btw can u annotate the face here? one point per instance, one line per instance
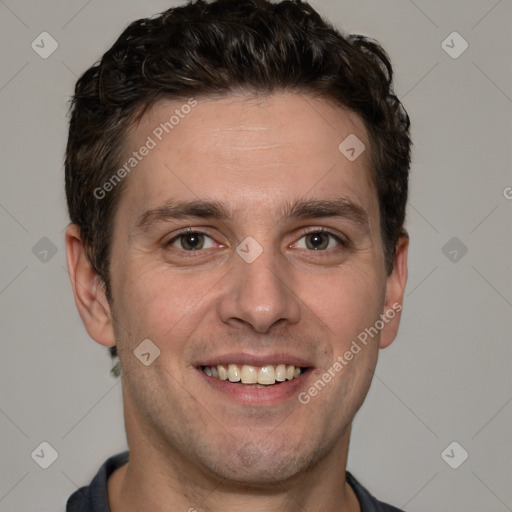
(245, 237)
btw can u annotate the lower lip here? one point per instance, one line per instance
(270, 395)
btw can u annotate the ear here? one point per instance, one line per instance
(88, 289)
(395, 288)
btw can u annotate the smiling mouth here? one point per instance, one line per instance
(255, 376)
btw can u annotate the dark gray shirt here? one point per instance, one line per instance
(94, 498)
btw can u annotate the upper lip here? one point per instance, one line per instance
(241, 358)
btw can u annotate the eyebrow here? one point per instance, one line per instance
(341, 208)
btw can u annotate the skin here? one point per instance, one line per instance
(192, 446)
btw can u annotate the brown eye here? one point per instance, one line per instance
(192, 241)
(319, 241)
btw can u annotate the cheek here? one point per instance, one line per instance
(347, 302)
(157, 305)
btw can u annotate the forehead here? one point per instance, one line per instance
(252, 152)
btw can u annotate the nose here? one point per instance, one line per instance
(260, 294)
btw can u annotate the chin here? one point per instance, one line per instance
(258, 465)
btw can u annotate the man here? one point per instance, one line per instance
(236, 175)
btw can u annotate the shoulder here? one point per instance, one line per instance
(94, 497)
(367, 501)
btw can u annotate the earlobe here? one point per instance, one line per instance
(88, 290)
(395, 288)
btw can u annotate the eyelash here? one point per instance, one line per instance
(191, 231)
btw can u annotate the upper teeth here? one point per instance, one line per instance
(265, 375)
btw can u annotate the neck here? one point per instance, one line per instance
(158, 478)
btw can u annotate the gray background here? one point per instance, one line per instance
(447, 376)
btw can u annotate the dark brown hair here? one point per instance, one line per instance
(219, 48)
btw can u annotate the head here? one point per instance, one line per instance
(228, 119)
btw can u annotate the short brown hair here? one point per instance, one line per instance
(216, 48)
